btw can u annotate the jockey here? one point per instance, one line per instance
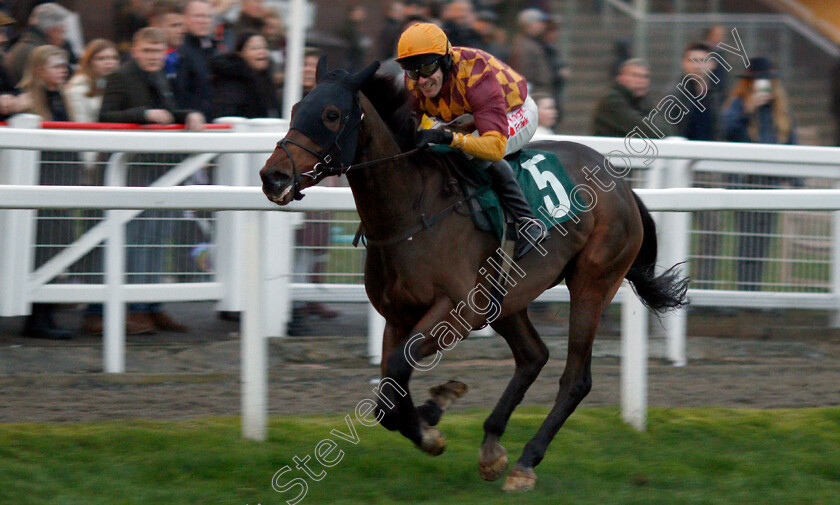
(476, 104)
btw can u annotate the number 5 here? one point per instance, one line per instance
(547, 178)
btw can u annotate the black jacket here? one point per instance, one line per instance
(192, 83)
(238, 90)
(130, 92)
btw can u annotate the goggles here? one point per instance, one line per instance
(423, 70)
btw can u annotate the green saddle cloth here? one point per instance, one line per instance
(546, 186)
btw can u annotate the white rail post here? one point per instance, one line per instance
(113, 321)
(278, 239)
(231, 170)
(634, 358)
(114, 313)
(254, 343)
(835, 265)
(295, 40)
(676, 251)
(17, 227)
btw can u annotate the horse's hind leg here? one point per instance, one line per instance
(592, 284)
(530, 355)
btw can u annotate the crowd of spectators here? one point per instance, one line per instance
(192, 61)
(755, 110)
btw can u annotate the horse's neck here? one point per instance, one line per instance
(386, 193)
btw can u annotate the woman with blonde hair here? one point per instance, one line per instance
(757, 111)
(43, 94)
(85, 89)
(43, 84)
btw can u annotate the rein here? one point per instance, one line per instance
(423, 225)
(343, 170)
(325, 167)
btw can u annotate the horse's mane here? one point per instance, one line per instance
(391, 101)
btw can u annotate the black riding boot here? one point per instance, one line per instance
(531, 230)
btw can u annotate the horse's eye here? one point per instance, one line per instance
(332, 116)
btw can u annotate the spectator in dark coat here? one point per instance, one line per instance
(702, 125)
(560, 71)
(168, 15)
(241, 81)
(697, 124)
(250, 17)
(714, 35)
(354, 32)
(391, 30)
(492, 37)
(46, 27)
(457, 20)
(138, 93)
(528, 55)
(627, 103)
(192, 90)
(129, 17)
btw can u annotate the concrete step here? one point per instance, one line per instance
(593, 42)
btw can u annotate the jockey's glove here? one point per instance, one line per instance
(434, 136)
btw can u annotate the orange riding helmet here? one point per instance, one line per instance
(422, 43)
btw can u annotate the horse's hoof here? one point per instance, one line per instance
(445, 394)
(455, 387)
(433, 442)
(493, 465)
(520, 479)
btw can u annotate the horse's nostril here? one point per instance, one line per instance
(274, 178)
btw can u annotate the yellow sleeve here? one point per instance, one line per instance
(489, 146)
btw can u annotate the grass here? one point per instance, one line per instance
(690, 456)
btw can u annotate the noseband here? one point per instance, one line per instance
(327, 158)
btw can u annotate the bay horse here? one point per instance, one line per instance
(421, 270)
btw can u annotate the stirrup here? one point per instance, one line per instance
(536, 236)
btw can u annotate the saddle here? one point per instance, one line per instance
(543, 180)
(473, 183)
(544, 183)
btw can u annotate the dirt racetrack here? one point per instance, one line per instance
(749, 359)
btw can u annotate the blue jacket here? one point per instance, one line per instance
(736, 123)
(192, 83)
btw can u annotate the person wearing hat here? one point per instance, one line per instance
(757, 111)
(487, 100)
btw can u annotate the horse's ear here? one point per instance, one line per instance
(321, 69)
(360, 77)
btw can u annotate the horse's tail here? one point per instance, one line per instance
(662, 293)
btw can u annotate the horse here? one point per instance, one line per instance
(421, 271)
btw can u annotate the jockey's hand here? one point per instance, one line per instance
(433, 136)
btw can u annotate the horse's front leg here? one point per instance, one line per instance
(402, 354)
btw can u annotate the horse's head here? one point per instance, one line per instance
(322, 136)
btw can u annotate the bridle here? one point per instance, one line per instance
(326, 164)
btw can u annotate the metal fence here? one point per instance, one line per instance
(760, 251)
